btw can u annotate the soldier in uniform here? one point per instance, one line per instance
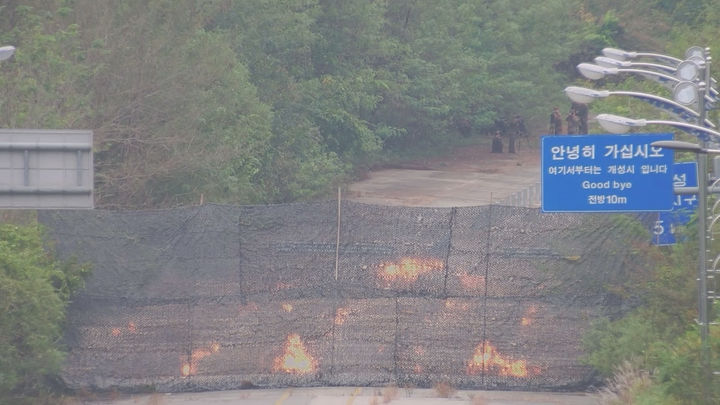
(555, 122)
(497, 145)
(581, 110)
(517, 125)
(573, 122)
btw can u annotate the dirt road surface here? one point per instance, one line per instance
(470, 176)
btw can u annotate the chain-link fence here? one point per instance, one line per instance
(224, 297)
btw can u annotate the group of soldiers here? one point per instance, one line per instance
(577, 120)
(514, 129)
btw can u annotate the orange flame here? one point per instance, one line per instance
(452, 304)
(471, 282)
(295, 359)
(282, 286)
(408, 269)
(341, 315)
(188, 368)
(185, 369)
(487, 357)
(287, 307)
(118, 331)
(528, 319)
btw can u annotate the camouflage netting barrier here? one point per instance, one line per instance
(222, 297)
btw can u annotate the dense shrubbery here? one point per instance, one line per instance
(653, 354)
(34, 291)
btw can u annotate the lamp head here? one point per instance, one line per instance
(595, 72)
(583, 95)
(6, 52)
(678, 145)
(604, 61)
(617, 54)
(695, 51)
(688, 70)
(617, 124)
(686, 93)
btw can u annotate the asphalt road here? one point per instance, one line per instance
(355, 396)
(471, 176)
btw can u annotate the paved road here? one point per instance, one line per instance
(355, 396)
(470, 177)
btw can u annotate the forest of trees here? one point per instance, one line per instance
(268, 101)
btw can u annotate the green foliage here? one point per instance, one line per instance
(34, 291)
(660, 336)
(280, 100)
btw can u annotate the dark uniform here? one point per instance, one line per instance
(573, 122)
(555, 122)
(497, 145)
(517, 126)
(581, 110)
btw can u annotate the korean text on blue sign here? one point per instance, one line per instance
(606, 173)
(684, 205)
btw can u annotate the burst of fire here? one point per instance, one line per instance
(185, 369)
(295, 358)
(487, 358)
(118, 331)
(188, 368)
(408, 269)
(471, 282)
(287, 307)
(282, 286)
(528, 318)
(451, 304)
(340, 315)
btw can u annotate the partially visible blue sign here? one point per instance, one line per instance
(606, 173)
(684, 175)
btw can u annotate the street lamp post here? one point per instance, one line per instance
(671, 82)
(691, 85)
(694, 53)
(620, 54)
(610, 62)
(584, 96)
(617, 124)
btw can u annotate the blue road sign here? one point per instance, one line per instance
(606, 173)
(684, 175)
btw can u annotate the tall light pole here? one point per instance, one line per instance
(620, 54)
(691, 84)
(618, 124)
(585, 96)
